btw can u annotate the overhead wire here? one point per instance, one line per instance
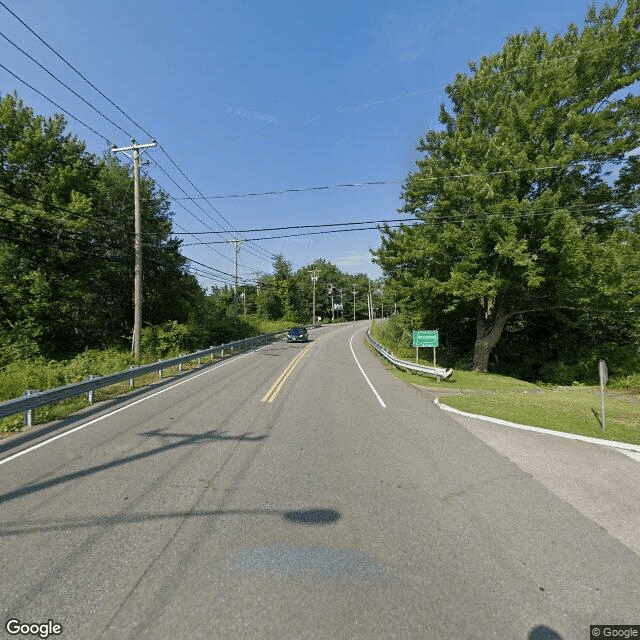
(270, 256)
(46, 44)
(353, 108)
(84, 124)
(307, 226)
(219, 253)
(292, 235)
(202, 196)
(66, 86)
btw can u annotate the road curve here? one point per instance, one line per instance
(253, 503)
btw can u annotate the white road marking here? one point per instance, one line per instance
(635, 455)
(631, 450)
(362, 370)
(131, 404)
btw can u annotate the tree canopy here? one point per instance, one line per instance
(524, 197)
(66, 244)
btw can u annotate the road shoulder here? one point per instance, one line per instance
(599, 481)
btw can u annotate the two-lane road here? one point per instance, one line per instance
(282, 494)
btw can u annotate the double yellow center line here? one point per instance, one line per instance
(270, 396)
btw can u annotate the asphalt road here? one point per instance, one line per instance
(244, 503)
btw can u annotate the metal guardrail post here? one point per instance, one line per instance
(180, 365)
(90, 393)
(29, 414)
(438, 372)
(27, 405)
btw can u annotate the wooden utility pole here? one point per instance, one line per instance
(236, 243)
(330, 292)
(137, 284)
(314, 279)
(354, 302)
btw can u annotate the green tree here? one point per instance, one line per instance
(66, 244)
(514, 204)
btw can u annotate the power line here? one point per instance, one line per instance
(202, 196)
(292, 235)
(301, 189)
(579, 208)
(201, 221)
(84, 124)
(415, 176)
(46, 44)
(303, 226)
(113, 104)
(23, 196)
(75, 93)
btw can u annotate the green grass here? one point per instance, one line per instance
(39, 375)
(571, 410)
(568, 410)
(56, 374)
(262, 326)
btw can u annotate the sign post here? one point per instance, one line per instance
(604, 377)
(426, 339)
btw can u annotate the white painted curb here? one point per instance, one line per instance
(550, 432)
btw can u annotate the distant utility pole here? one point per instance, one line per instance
(236, 245)
(314, 279)
(257, 275)
(330, 292)
(354, 302)
(137, 243)
(341, 304)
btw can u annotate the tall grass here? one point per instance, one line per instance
(39, 374)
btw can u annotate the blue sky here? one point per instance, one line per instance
(250, 97)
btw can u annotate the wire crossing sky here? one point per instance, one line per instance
(300, 102)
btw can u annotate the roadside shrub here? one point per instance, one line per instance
(40, 374)
(169, 339)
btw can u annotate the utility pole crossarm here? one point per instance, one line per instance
(134, 146)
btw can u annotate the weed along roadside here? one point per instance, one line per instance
(67, 386)
(574, 409)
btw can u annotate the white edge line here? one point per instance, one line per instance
(127, 406)
(550, 432)
(362, 370)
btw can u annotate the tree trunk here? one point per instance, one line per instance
(492, 318)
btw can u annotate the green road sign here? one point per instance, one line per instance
(425, 338)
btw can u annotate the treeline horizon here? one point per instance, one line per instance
(67, 257)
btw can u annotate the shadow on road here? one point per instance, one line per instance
(187, 440)
(312, 516)
(544, 633)
(297, 516)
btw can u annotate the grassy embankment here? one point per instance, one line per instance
(17, 377)
(569, 409)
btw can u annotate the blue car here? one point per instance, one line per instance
(297, 334)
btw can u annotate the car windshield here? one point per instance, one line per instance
(296, 330)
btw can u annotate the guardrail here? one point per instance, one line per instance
(33, 399)
(439, 372)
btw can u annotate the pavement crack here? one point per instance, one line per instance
(476, 485)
